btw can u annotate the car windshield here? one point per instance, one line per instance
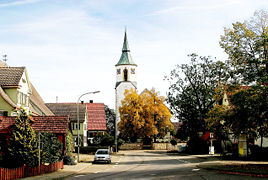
(102, 152)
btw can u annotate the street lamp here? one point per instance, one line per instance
(78, 124)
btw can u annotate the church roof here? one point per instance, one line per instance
(125, 58)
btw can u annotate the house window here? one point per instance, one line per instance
(118, 71)
(75, 141)
(27, 101)
(3, 113)
(75, 126)
(220, 102)
(125, 75)
(24, 99)
(132, 71)
(19, 98)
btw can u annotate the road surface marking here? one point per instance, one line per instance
(79, 175)
(195, 169)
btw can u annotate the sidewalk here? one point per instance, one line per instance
(68, 170)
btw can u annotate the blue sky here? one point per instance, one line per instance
(71, 46)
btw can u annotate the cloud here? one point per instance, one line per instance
(196, 7)
(19, 2)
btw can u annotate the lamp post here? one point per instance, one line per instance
(78, 124)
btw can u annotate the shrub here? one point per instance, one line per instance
(197, 146)
(23, 146)
(173, 142)
(51, 148)
(68, 160)
(69, 143)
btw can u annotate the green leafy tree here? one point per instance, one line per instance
(110, 120)
(107, 139)
(249, 112)
(23, 147)
(51, 148)
(69, 143)
(104, 139)
(191, 92)
(246, 44)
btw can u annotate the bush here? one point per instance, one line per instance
(197, 146)
(103, 139)
(68, 160)
(50, 148)
(173, 142)
(69, 143)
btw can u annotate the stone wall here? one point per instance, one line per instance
(164, 146)
(131, 146)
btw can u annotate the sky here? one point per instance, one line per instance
(70, 47)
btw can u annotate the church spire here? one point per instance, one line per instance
(125, 58)
(125, 44)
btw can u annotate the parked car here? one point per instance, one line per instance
(102, 155)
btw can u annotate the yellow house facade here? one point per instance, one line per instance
(16, 91)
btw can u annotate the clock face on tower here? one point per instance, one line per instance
(118, 71)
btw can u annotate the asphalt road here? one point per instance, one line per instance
(152, 165)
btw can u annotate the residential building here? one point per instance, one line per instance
(16, 91)
(96, 120)
(91, 119)
(57, 125)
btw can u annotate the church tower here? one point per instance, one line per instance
(125, 76)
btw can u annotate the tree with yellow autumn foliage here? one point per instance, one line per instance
(144, 116)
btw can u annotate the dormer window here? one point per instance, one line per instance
(125, 75)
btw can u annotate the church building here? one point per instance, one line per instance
(125, 76)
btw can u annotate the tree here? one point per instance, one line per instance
(191, 92)
(110, 120)
(104, 139)
(69, 143)
(247, 47)
(249, 112)
(143, 116)
(51, 148)
(23, 147)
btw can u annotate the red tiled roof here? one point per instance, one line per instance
(233, 89)
(52, 124)
(5, 123)
(96, 117)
